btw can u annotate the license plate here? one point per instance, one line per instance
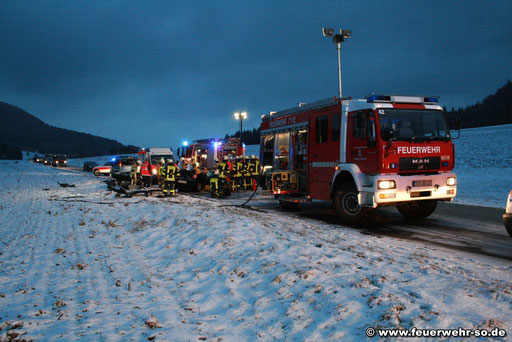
(182, 182)
(422, 182)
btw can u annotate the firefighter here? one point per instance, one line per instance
(134, 172)
(237, 173)
(214, 180)
(246, 176)
(160, 172)
(170, 173)
(255, 172)
(223, 186)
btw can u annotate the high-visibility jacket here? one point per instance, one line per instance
(171, 172)
(256, 171)
(247, 168)
(133, 170)
(223, 168)
(238, 168)
(162, 171)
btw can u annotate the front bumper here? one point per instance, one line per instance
(410, 188)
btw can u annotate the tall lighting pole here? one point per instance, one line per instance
(337, 39)
(240, 116)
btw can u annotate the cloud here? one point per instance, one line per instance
(154, 73)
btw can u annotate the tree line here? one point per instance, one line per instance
(23, 131)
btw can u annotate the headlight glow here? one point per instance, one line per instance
(153, 171)
(386, 184)
(450, 181)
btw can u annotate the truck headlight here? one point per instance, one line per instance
(386, 184)
(451, 181)
(153, 171)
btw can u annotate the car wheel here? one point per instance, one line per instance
(417, 210)
(96, 173)
(347, 205)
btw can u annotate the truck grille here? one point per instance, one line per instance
(419, 164)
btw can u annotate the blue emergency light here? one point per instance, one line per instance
(378, 98)
(431, 99)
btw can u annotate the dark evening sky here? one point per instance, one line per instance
(154, 73)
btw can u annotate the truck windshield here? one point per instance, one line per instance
(411, 124)
(155, 159)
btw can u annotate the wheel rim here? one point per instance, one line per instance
(351, 204)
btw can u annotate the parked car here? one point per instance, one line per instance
(59, 160)
(507, 217)
(121, 167)
(89, 165)
(48, 159)
(38, 159)
(102, 170)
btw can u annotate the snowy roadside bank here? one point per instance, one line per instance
(79, 264)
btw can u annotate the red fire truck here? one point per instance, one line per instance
(150, 158)
(205, 151)
(384, 150)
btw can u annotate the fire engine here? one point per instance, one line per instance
(150, 158)
(383, 150)
(206, 151)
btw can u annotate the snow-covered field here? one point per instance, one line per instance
(76, 263)
(483, 164)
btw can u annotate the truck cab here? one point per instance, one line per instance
(366, 153)
(206, 151)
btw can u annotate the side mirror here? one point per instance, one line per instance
(387, 133)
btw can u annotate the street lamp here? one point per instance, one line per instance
(337, 39)
(240, 116)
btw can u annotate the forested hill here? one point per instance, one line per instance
(495, 109)
(20, 130)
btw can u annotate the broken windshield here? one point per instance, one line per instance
(412, 124)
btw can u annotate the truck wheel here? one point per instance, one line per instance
(417, 210)
(288, 206)
(347, 205)
(96, 173)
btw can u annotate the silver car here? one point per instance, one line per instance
(121, 168)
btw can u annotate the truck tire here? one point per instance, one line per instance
(347, 204)
(96, 173)
(288, 206)
(417, 210)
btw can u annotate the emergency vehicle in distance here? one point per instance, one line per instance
(206, 151)
(384, 150)
(150, 158)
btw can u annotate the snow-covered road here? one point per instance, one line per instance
(77, 263)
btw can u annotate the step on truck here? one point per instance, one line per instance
(383, 150)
